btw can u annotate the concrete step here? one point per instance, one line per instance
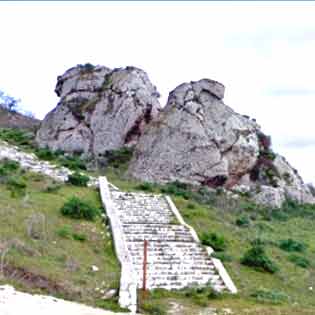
(157, 232)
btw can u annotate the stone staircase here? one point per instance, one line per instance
(175, 257)
(175, 260)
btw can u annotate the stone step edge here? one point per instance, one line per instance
(128, 282)
(217, 263)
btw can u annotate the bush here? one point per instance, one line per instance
(16, 185)
(78, 179)
(263, 295)
(177, 189)
(73, 162)
(291, 245)
(243, 221)
(217, 242)
(16, 137)
(293, 209)
(118, 158)
(79, 237)
(145, 187)
(76, 208)
(201, 295)
(45, 154)
(8, 167)
(86, 68)
(299, 261)
(191, 206)
(257, 258)
(64, 232)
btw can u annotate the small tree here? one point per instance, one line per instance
(8, 102)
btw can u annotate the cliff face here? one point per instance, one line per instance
(195, 139)
(100, 110)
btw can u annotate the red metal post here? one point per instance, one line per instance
(145, 261)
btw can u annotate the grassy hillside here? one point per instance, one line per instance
(233, 226)
(242, 225)
(44, 251)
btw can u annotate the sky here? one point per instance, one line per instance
(263, 52)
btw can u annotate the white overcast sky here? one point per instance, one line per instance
(263, 52)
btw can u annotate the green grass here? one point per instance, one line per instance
(285, 292)
(213, 213)
(67, 242)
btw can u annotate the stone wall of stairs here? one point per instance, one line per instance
(175, 259)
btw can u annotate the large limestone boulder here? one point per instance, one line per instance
(197, 139)
(100, 110)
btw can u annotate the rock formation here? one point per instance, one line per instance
(100, 110)
(199, 140)
(195, 139)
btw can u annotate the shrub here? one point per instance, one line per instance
(8, 167)
(178, 189)
(257, 258)
(16, 185)
(78, 179)
(299, 261)
(263, 295)
(73, 162)
(279, 215)
(45, 154)
(242, 221)
(191, 206)
(78, 209)
(145, 187)
(118, 158)
(217, 242)
(16, 137)
(293, 209)
(291, 245)
(201, 295)
(64, 232)
(79, 237)
(86, 68)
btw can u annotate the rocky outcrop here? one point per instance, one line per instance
(199, 140)
(195, 139)
(100, 110)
